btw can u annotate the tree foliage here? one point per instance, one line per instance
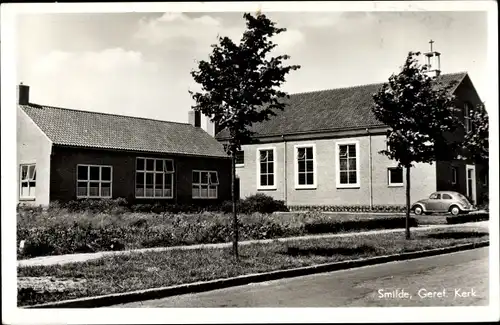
(419, 111)
(241, 82)
(476, 141)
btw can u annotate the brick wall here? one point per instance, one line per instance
(65, 161)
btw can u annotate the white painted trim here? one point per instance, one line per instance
(296, 166)
(209, 184)
(389, 184)
(154, 178)
(100, 181)
(275, 168)
(472, 191)
(454, 175)
(337, 164)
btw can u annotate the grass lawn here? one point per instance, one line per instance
(122, 273)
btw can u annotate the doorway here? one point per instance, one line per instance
(471, 182)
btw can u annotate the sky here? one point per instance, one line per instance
(139, 64)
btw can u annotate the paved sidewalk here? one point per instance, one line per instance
(72, 258)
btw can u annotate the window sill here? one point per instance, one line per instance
(204, 198)
(274, 188)
(311, 187)
(24, 199)
(395, 185)
(239, 165)
(93, 197)
(154, 198)
(354, 186)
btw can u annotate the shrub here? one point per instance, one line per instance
(95, 205)
(470, 217)
(316, 226)
(261, 203)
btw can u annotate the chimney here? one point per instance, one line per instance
(194, 118)
(433, 62)
(23, 94)
(212, 127)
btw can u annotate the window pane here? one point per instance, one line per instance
(149, 180)
(352, 163)
(25, 190)
(214, 178)
(34, 175)
(94, 173)
(309, 165)
(169, 165)
(302, 166)
(352, 150)
(32, 190)
(204, 191)
(139, 179)
(105, 189)
(270, 155)
(150, 164)
(167, 192)
(83, 173)
(204, 177)
(263, 180)
(159, 182)
(301, 153)
(94, 189)
(159, 165)
(31, 173)
(396, 175)
(263, 155)
(212, 192)
(302, 179)
(149, 192)
(270, 167)
(343, 163)
(24, 172)
(196, 177)
(81, 189)
(263, 168)
(140, 164)
(196, 191)
(446, 197)
(270, 180)
(139, 191)
(309, 153)
(343, 151)
(169, 179)
(352, 177)
(105, 173)
(343, 177)
(310, 178)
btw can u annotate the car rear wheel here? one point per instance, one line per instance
(454, 210)
(418, 210)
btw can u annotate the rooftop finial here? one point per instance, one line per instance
(431, 42)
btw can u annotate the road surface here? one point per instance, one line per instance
(458, 279)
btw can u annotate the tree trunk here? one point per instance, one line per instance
(408, 202)
(235, 215)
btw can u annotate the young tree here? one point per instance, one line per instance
(419, 111)
(241, 86)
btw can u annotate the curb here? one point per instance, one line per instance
(156, 293)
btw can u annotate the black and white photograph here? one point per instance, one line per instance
(246, 161)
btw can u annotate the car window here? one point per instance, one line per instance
(435, 196)
(447, 197)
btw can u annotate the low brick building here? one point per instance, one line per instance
(323, 149)
(67, 154)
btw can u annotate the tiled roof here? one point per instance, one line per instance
(99, 130)
(327, 110)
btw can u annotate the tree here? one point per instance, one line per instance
(419, 112)
(241, 86)
(476, 141)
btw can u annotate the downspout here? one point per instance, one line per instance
(284, 171)
(370, 167)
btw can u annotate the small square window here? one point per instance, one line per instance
(395, 176)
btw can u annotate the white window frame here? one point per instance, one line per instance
(296, 148)
(454, 175)
(337, 163)
(389, 180)
(154, 172)
(243, 164)
(485, 178)
(100, 181)
(28, 180)
(209, 184)
(275, 168)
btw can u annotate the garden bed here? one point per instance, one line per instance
(136, 271)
